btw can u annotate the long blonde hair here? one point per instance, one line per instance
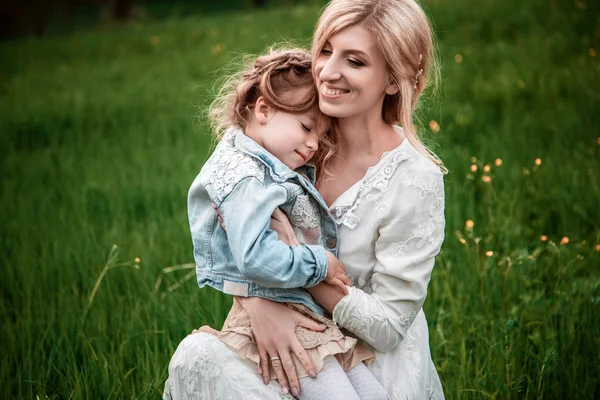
(283, 77)
(405, 37)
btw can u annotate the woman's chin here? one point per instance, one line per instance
(334, 110)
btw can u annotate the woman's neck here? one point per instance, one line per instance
(361, 135)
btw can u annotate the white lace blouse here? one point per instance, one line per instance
(391, 226)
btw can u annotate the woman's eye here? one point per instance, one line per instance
(306, 128)
(356, 63)
(326, 52)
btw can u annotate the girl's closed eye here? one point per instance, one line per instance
(325, 52)
(306, 127)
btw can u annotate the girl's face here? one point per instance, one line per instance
(351, 74)
(292, 138)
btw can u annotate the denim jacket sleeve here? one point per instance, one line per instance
(257, 251)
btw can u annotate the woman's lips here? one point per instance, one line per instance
(333, 93)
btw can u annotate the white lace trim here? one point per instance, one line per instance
(230, 166)
(365, 313)
(426, 230)
(305, 219)
(304, 213)
(373, 187)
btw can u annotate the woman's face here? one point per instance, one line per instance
(351, 74)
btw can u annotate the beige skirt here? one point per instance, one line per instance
(237, 334)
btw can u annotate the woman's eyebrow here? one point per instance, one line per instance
(357, 52)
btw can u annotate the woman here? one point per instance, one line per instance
(372, 59)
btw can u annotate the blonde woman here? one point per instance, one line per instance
(371, 61)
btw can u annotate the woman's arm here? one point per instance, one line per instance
(326, 295)
(410, 236)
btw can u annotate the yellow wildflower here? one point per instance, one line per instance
(498, 162)
(486, 178)
(469, 224)
(473, 168)
(564, 240)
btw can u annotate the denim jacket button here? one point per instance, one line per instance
(331, 243)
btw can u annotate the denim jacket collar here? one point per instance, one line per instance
(277, 169)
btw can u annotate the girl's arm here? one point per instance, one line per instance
(258, 253)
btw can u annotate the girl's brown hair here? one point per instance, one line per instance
(284, 79)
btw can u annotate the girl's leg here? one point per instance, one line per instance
(365, 384)
(330, 383)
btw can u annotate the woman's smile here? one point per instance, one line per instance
(332, 92)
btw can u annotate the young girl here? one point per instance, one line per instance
(273, 127)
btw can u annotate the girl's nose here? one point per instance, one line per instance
(312, 142)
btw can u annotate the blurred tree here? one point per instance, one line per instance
(122, 10)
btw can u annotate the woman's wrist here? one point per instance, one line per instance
(249, 302)
(326, 295)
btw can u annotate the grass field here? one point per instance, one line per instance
(100, 141)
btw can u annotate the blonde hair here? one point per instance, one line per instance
(405, 37)
(283, 77)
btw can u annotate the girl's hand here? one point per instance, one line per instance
(336, 274)
(273, 325)
(219, 216)
(281, 224)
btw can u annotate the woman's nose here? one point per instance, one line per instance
(328, 70)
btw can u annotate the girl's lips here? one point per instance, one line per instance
(302, 156)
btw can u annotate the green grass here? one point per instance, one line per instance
(100, 142)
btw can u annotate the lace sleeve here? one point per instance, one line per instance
(410, 236)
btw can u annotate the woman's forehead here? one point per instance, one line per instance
(354, 37)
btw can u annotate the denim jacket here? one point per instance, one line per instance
(247, 184)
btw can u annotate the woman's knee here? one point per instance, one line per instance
(197, 352)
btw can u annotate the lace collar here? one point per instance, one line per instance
(376, 178)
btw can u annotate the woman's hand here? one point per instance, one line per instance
(273, 325)
(336, 274)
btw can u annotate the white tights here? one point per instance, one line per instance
(333, 383)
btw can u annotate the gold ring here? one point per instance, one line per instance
(274, 358)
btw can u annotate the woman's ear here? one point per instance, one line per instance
(392, 88)
(261, 111)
